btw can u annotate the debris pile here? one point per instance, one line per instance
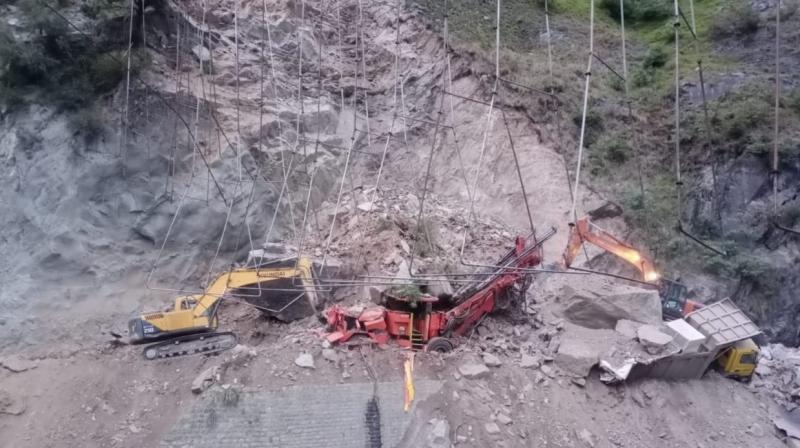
(778, 375)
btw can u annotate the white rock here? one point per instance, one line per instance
(16, 364)
(763, 370)
(439, 436)
(205, 379)
(504, 419)
(474, 371)
(331, 355)
(492, 428)
(305, 360)
(586, 437)
(492, 360)
(367, 206)
(653, 339)
(529, 362)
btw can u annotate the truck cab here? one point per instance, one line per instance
(739, 361)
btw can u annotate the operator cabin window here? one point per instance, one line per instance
(673, 305)
(748, 358)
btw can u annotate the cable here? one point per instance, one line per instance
(587, 81)
(777, 111)
(634, 135)
(123, 148)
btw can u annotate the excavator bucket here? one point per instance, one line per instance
(287, 298)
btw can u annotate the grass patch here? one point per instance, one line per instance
(737, 20)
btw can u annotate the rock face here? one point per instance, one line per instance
(591, 309)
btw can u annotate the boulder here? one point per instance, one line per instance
(16, 364)
(440, 287)
(590, 309)
(206, 378)
(653, 339)
(627, 328)
(439, 436)
(492, 428)
(474, 370)
(529, 362)
(504, 419)
(492, 360)
(330, 355)
(575, 356)
(586, 438)
(9, 405)
(305, 360)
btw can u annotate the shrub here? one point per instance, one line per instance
(735, 20)
(793, 101)
(639, 10)
(740, 116)
(615, 149)
(655, 57)
(594, 125)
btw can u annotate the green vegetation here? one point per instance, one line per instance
(741, 120)
(793, 101)
(638, 11)
(474, 21)
(737, 20)
(406, 291)
(56, 65)
(608, 152)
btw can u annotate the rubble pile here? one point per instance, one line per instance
(778, 375)
(378, 232)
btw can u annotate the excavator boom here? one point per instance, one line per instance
(585, 231)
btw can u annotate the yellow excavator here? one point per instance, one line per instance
(284, 289)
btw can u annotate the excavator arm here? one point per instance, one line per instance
(197, 313)
(584, 231)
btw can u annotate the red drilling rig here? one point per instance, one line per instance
(423, 321)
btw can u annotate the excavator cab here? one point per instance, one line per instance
(674, 301)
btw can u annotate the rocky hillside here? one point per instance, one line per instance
(138, 136)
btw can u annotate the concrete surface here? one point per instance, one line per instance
(331, 416)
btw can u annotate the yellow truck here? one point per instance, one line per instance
(739, 361)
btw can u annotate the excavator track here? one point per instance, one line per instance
(193, 344)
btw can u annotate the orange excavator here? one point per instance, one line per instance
(674, 304)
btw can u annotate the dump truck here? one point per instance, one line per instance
(718, 336)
